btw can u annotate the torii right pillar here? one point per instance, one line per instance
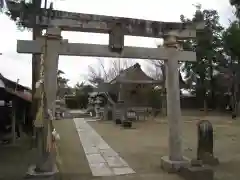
(175, 160)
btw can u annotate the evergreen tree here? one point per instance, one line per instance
(208, 46)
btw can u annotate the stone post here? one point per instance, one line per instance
(47, 162)
(97, 107)
(175, 160)
(50, 64)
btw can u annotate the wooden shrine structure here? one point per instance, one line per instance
(15, 105)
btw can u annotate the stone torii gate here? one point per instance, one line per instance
(117, 28)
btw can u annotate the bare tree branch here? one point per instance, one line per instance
(101, 74)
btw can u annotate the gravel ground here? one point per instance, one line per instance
(143, 145)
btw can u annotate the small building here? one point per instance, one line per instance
(15, 108)
(129, 90)
(132, 86)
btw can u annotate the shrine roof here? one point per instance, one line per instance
(133, 74)
(10, 87)
(12, 84)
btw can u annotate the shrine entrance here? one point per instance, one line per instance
(52, 45)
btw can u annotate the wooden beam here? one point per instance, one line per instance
(72, 21)
(79, 49)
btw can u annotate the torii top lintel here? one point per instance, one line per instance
(70, 21)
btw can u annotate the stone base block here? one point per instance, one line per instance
(197, 173)
(173, 166)
(31, 173)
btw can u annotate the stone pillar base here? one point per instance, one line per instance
(173, 166)
(31, 173)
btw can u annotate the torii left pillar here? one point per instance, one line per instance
(46, 166)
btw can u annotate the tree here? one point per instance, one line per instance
(100, 74)
(231, 46)
(231, 41)
(19, 11)
(236, 4)
(82, 91)
(63, 87)
(208, 46)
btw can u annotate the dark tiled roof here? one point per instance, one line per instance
(10, 88)
(136, 68)
(22, 95)
(9, 83)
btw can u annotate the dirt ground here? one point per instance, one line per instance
(15, 160)
(144, 144)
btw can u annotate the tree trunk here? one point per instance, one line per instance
(213, 103)
(205, 106)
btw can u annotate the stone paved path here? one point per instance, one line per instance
(102, 159)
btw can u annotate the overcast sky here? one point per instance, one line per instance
(18, 66)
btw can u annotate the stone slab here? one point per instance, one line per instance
(91, 150)
(100, 169)
(123, 170)
(95, 158)
(116, 161)
(102, 159)
(103, 146)
(173, 166)
(108, 152)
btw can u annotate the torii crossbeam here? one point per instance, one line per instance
(80, 49)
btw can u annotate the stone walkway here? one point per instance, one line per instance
(102, 159)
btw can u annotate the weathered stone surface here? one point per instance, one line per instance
(91, 150)
(116, 161)
(121, 171)
(173, 166)
(205, 138)
(100, 169)
(106, 153)
(95, 159)
(101, 157)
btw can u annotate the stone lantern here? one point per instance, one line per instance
(97, 103)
